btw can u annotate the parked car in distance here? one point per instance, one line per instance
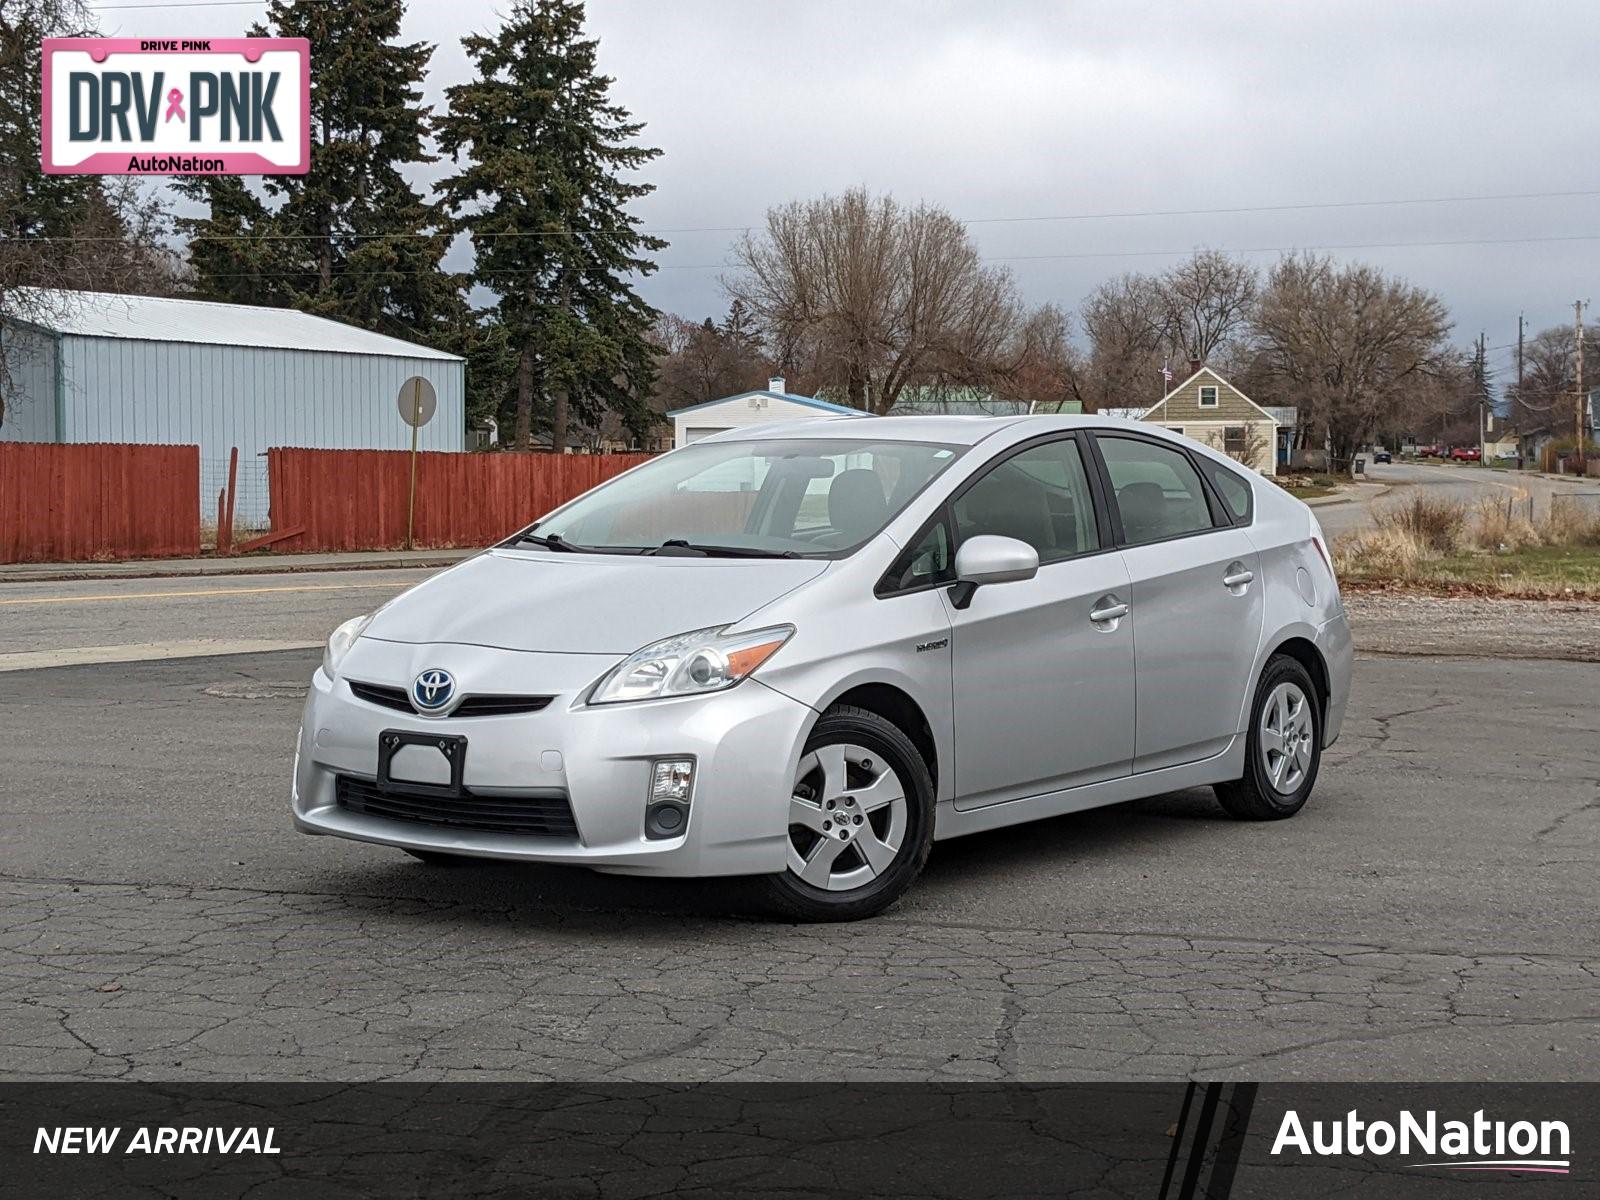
(1382, 456)
(804, 651)
(1466, 454)
(1430, 451)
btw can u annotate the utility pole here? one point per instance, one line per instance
(1483, 390)
(1519, 355)
(1579, 399)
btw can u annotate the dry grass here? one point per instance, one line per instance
(1429, 541)
(1436, 525)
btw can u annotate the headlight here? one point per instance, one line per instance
(340, 641)
(689, 664)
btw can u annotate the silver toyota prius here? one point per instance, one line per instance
(805, 651)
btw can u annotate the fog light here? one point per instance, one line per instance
(671, 780)
(667, 808)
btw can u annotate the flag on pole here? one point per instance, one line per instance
(1166, 372)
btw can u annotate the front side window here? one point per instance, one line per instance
(1040, 496)
(1159, 493)
(801, 497)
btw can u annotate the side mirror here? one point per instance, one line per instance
(991, 559)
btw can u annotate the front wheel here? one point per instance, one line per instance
(860, 820)
(1285, 746)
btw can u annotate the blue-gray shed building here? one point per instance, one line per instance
(97, 367)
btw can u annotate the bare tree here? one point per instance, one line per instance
(705, 361)
(1123, 321)
(1044, 366)
(1545, 397)
(1351, 343)
(1204, 302)
(875, 296)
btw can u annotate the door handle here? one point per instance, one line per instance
(1238, 578)
(1110, 612)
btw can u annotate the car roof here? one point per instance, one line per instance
(957, 431)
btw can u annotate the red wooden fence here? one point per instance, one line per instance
(81, 503)
(356, 499)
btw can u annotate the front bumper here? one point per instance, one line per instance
(745, 742)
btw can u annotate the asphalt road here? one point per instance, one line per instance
(1428, 916)
(1468, 484)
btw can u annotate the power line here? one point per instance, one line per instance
(1087, 216)
(188, 4)
(1002, 258)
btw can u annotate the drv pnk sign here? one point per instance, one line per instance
(153, 106)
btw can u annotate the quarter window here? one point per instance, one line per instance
(1039, 496)
(928, 563)
(1235, 491)
(1159, 493)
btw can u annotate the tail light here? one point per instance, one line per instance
(1322, 552)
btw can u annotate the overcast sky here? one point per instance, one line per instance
(1032, 108)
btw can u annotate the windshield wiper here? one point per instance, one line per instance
(691, 548)
(550, 541)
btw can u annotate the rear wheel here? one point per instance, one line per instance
(860, 820)
(1285, 746)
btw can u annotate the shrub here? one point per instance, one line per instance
(1436, 524)
(1499, 526)
(1388, 551)
(1570, 522)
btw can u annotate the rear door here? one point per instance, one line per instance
(1196, 597)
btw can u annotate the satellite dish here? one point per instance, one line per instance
(417, 402)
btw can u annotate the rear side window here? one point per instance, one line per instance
(1159, 493)
(1233, 488)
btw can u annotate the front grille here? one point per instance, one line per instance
(546, 813)
(484, 705)
(388, 697)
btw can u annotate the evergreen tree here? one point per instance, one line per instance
(351, 239)
(33, 204)
(542, 149)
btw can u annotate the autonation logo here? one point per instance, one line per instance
(1476, 1145)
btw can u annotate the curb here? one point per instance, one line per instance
(1330, 501)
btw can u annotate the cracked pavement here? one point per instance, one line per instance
(1430, 916)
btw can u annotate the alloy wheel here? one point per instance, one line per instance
(847, 817)
(1285, 737)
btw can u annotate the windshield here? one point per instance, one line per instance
(798, 497)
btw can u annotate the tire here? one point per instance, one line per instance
(438, 858)
(856, 851)
(1280, 767)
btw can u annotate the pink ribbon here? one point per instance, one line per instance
(175, 105)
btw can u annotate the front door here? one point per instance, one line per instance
(1042, 669)
(1196, 596)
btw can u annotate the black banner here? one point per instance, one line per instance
(1154, 1141)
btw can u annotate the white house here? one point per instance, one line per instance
(749, 408)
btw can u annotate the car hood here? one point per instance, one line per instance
(584, 603)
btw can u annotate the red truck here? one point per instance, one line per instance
(1466, 454)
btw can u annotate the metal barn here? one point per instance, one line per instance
(96, 367)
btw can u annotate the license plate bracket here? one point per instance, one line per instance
(452, 746)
